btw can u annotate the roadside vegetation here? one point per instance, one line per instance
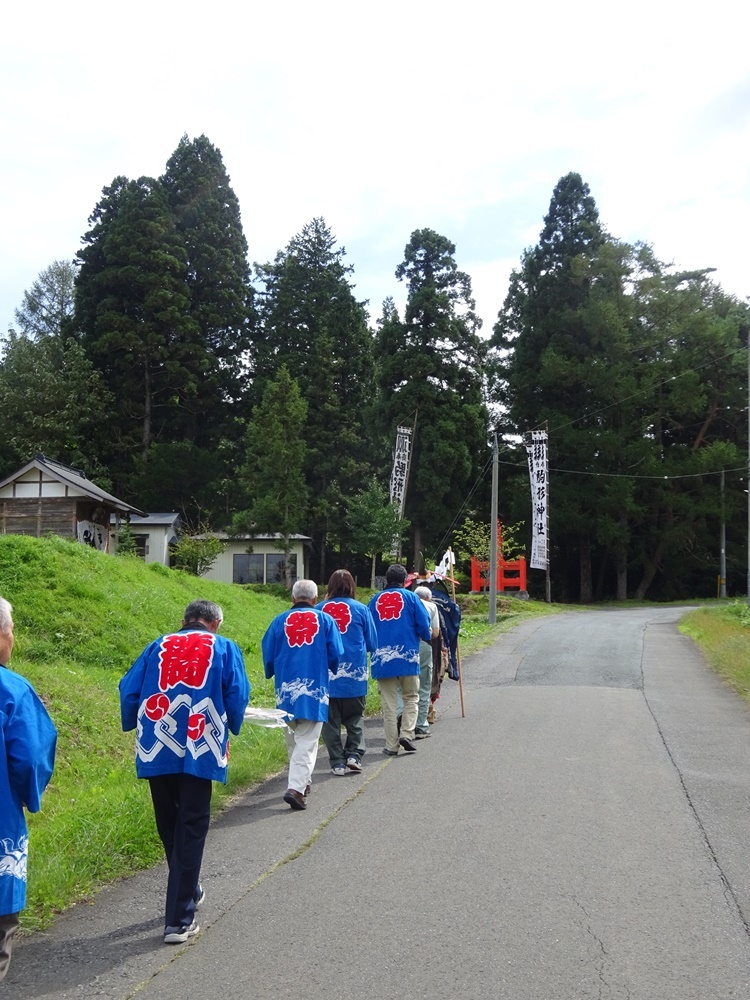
(81, 619)
(723, 634)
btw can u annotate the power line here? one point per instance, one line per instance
(463, 506)
(630, 475)
(642, 392)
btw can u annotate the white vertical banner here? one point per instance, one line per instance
(400, 467)
(399, 476)
(536, 450)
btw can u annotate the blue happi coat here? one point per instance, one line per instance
(401, 620)
(183, 695)
(27, 756)
(359, 637)
(300, 647)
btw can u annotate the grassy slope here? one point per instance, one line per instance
(81, 619)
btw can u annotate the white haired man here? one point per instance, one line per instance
(422, 729)
(27, 757)
(185, 693)
(300, 647)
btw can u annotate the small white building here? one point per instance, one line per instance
(258, 559)
(153, 534)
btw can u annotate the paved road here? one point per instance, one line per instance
(583, 832)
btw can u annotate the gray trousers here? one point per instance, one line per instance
(346, 712)
(8, 925)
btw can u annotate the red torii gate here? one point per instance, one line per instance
(511, 573)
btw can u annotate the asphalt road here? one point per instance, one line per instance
(583, 832)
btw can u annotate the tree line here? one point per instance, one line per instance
(259, 398)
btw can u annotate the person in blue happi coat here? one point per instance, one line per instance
(401, 620)
(184, 694)
(300, 648)
(27, 756)
(348, 690)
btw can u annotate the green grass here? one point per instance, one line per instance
(723, 634)
(81, 619)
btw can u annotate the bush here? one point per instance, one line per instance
(196, 554)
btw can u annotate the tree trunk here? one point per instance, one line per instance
(622, 565)
(653, 564)
(586, 595)
(417, 544)
(287, 554)
(323, 557)
(372, 572)
(600, 577)
(146, 441)
(712, 411)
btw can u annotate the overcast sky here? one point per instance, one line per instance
(384, 118)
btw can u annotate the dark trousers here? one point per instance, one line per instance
(182, 807)
(8, 925)
(346, 712)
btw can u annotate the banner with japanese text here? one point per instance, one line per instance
(400, 467)
(536, 450)
(399, 476)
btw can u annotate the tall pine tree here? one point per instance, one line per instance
(430, 366)
(206, 214)
(132, 318)
(310, 321)
(273, 470)
(551, 343)
(635, 373)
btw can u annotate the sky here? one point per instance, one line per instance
(385, 118)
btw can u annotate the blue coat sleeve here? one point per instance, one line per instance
(334, 644)
(424, 629)
(371, 635)
(267, 647)
(30, 742)
(236, 687)
(131, 686)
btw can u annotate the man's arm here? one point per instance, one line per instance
(434, 620)
(267, 647)
(371, 635)
(131, 686)
(334, 645)
(422, 620)
(236, 686)
(30, 741)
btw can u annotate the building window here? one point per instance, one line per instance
(247, 568)
(275, 568)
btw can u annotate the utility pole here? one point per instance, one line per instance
(723, 545)
(492, 617)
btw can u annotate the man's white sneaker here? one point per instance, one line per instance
(178, 935)
(353, 764)
(339, 770)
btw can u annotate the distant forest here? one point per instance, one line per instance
(182, 378)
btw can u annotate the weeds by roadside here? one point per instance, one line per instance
(723, 634)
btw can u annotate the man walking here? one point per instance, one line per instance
(348, 689)
(422, 730)
(401, 620)
(185, 692)
(299, 648)
(27, 757)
